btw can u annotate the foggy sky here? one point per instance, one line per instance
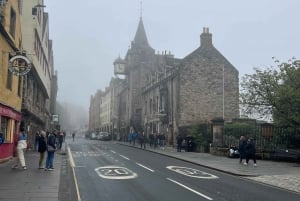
(89, 35)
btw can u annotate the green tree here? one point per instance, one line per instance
(202, 134)
(274, 92)
(237, 129)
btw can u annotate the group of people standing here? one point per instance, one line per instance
(44, 143)
(154, 140)
(247, 150)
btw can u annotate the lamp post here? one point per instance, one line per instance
(223, 89)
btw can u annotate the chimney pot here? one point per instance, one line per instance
(206, 37)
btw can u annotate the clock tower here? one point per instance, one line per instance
(119, 66)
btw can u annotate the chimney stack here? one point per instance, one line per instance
(206, 37)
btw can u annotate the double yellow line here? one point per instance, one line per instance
(72, 163)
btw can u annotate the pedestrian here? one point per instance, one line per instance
(143, 140)
(134, 137)
(163, 141)
(242, 148)
(36, 140)
(151, 139)
(21, 146)
(155, 140)
(42, 147)
(60, 140)
(64, 132)
(250, 152)
(73, 136)
(51, 148)
(179, 139)
(130, 137)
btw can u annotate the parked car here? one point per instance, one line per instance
(93, 136)
(104, 136)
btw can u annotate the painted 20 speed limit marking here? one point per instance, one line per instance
(190, 172)
(115, 172)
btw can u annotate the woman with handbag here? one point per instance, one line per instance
(51, 148)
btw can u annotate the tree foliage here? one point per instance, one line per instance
(274, 92)
(201, 134)
(237, 129)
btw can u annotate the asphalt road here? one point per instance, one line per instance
(106, 171)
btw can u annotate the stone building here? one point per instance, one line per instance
(164, 94)
(11, 86)
(36, 112)
(104, 108)
(94, 111)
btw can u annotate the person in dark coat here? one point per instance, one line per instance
(51, 148)
(42, 147)
(142, 138)
(250, 152)
(60, 140)
(36, 140)
(179, 139)
(242, 148)
(151, 139)
(73, 136)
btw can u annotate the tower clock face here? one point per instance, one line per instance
(119, 68)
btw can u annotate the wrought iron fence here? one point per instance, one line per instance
(267, 138)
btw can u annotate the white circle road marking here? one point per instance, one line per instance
(115, 172)
(190, 172)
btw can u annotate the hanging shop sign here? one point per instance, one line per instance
(19, 65)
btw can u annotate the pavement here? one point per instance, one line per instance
(34, 184)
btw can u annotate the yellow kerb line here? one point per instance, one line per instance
(72, 163)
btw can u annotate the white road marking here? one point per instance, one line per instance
(113, 151)
(190, 189)
(145, 167)
(81, 166)
(115, 172)
(190, 172)
(124, 157)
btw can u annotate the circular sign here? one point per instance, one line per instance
(190, 172)
(19, 65)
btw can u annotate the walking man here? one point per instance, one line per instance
(73, 136)
(143, 140)
(179, 142)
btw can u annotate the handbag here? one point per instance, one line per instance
(50, 148)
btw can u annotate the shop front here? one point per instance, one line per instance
(10, 120)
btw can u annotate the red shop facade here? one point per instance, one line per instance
(10, 121)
